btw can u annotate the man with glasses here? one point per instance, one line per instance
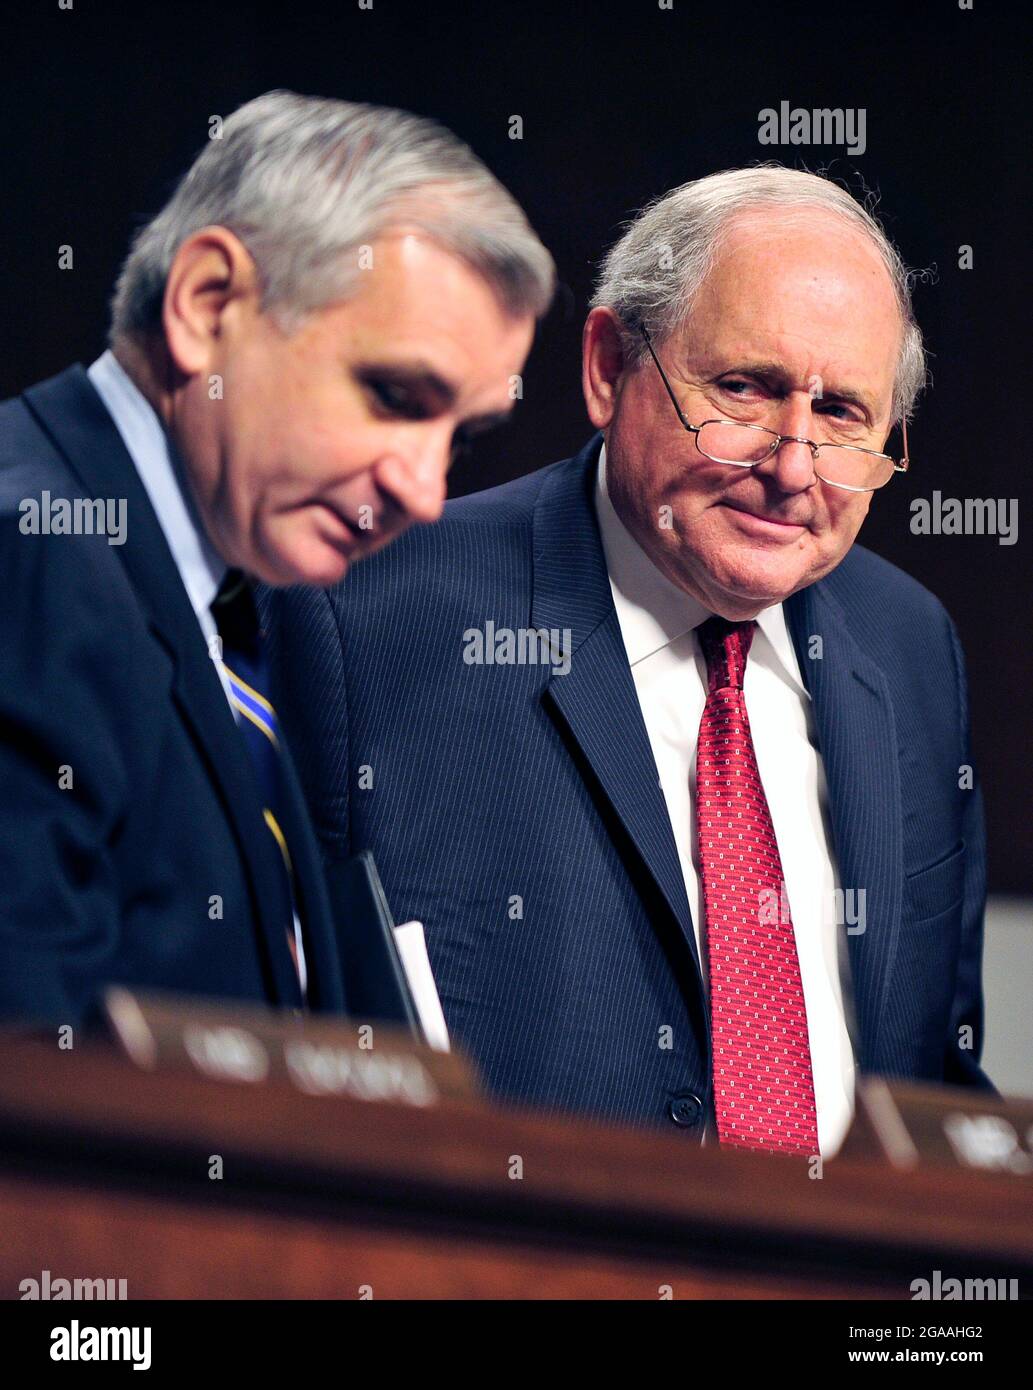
(729, 852)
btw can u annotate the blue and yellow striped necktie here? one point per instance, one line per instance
(244, 661)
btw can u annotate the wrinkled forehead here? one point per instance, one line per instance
(803, 286)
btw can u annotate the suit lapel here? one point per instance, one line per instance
(597, 699)
(71, 412)
(858, 743)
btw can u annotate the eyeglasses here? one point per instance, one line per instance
(744, 446)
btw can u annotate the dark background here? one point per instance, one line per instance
(105, 105)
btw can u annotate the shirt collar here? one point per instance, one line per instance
(200, 566)
(652, 611)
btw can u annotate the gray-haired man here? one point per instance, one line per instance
(712, 843)
(333, 296)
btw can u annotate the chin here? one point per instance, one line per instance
(763, 588)
(315, 562)
(321, 571)
(756, 567)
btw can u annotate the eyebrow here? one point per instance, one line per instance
(776, 375)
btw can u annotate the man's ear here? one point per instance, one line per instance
(602, 365)
(211, 273)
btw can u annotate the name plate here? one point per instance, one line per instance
(317, 1055)
(909, 1125)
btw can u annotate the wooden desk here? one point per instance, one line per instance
(104, 1172)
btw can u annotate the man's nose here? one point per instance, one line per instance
(791, 466)
(414, 476)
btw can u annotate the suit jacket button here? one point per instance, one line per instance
(685, 1109)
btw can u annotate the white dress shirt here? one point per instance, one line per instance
(201, 568)
(658, 623)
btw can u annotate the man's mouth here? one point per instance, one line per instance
(355, 534)
(337, 530)
(768, 523)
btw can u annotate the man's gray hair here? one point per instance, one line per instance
(653, 273)
(304, 182)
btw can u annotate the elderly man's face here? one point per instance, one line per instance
(795, 304)
(328, 442)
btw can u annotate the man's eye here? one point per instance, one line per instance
(842, 412)
(737, 387)
(396, 400)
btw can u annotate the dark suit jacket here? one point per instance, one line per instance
(489, 784)
(154, 868)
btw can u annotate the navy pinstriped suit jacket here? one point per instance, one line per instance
(489, 783)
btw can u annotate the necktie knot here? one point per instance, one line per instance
(235, 614)
(725, 646)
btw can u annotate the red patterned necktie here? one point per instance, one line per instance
(763, 1085)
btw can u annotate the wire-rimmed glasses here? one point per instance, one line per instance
(744, 446)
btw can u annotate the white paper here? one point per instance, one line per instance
(412, 948)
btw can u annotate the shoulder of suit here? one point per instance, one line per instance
(476, 560)
(889, 611)
(476, 535)
(65, 574)
(862, 575)
(512, 502)
(29, 461)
